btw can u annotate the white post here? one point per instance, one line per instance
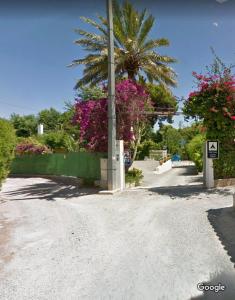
(208, 169)
(120, 165)
(40, 129)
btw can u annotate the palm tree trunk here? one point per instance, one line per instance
(131, 75)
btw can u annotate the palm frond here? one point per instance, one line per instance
(95, 24)
(145, 29)
(151, 44)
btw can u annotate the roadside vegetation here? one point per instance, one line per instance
(213, 103)
(7, 146)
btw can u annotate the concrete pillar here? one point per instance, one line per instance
(103, 173)
(120, 165)
(40, 129)
(208, 169)
(120, 168)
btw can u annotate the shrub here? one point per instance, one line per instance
(144, 148)
(213, 102)
(31, 146)
(59, 140)
(134, 176)
(7, 145)
(224, 167)
(195, 150)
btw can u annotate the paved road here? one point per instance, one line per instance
(58, 242)
(183, 173)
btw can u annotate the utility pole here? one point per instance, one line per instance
(111, 103)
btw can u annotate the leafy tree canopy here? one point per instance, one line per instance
(50, 118)
(25, 125)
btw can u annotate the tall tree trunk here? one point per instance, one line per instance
(137, 142)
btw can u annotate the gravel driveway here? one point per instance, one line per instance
(58, 242)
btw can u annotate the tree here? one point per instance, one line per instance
(25, 125)
(213, 103)
(162, 100)
(7, 145)
(171, 138)
(92, 116)
(91, 93)
(134, 51)
(50, 118)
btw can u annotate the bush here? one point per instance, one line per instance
(59, 140)
(195, 150)
(7, 145)
(224, 167)
(26, 148)
(30, 146)
(134, 176)
(144, 148)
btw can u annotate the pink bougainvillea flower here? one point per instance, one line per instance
(92, 115)
(213, 109)
(233, 118)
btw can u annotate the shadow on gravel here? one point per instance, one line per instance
(226, 279)
(185, 191)
(223, 222)
(49, 191)
(188, 170)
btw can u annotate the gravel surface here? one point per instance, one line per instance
(149, 243)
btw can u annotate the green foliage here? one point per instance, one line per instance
(91, 93)
(188, 133)
(50, 118)
(161, 97)
(224, 167)
(67, 124)
(7, 145)
(25, 126)
(59, 140)
(213, 102)
(30, 140)
(144, 148)
(134, 176)
(195, 150)
(171, 139)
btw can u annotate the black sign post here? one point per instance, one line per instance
(213, 149)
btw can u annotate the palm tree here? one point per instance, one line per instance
(133, 50)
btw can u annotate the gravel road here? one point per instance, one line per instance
(58, 242)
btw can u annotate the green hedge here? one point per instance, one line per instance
(195, 150)
(224, 167)
(7, 145)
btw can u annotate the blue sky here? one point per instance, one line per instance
(36, 45)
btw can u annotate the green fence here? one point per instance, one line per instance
(78, 164)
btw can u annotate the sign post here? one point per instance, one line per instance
(211, 151)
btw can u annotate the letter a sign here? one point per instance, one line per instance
(212, 149)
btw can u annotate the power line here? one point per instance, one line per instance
(19, 106)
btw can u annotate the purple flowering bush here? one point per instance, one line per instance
(29, 147)
(92, 115)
